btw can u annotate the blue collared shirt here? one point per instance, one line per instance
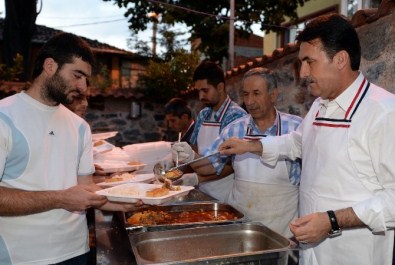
(233, 112)
(283, 124)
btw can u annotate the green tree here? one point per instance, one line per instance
(14, 72)
(211, 29)
(140, 47)
(166, 79)
(170, 39)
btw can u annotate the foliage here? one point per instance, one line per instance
(164, 80)
(212, 30)
(12, 73)
(171, 42)
(169, 39)
(139, 46)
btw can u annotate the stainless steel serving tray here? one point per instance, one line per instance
(197, 206)
(241, 243)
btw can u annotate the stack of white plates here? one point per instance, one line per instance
(149, 153)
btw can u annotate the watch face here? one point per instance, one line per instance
(334, 233)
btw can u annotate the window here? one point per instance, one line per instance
(354, 5)
(130, 73)
(289, 35)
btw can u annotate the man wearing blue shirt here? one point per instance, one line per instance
(220, 110)
(263, 193)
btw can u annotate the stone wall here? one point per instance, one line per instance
(376, 30)
(116, 117)
(377, 64)
(292, 98)
(378, 51)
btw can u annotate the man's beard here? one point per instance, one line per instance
(207, 103)
(55, 89)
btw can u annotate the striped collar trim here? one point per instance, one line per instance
(227, 103)
(218, 116)
(278, 127)
(351, 110)
(254, 137)
(211, 123)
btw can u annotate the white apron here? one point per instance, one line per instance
(208, 132)
(329, 182)
(264, 194)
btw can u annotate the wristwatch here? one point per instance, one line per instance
(336, 230)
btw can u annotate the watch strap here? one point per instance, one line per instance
(335, 225)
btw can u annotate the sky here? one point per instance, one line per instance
(93, 19)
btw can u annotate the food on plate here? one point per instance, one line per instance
(127, 191)
(176, 173)
(157, 192)
(120, 177)
(168, 185)
(113, 179)
(150, 217)
(98, 143)
(135, 163)
(108, 166)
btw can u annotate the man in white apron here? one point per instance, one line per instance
(346, 145)
(268, 195)
(264, 194)
(209, 80)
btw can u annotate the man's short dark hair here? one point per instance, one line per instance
(210, 71)
(63, 48)
(336, 34)
(177, 107)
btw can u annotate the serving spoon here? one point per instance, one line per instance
(160, 172)
(191, 162)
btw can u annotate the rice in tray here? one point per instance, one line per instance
(127, 191)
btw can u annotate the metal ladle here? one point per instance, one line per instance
(160, 174)
(160, 171)
(192, 161)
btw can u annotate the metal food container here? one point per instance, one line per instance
(242, 243)
(192, 207)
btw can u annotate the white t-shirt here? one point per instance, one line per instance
(42, 148)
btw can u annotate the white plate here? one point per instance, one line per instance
(103, 147)
(137, 178)
(102, 136)
(132, 192)
(113, 166)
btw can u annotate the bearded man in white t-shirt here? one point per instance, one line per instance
(46, 162)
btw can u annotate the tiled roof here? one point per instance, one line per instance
(259, 61)
(43, 33)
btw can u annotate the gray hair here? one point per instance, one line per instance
(267, 74)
